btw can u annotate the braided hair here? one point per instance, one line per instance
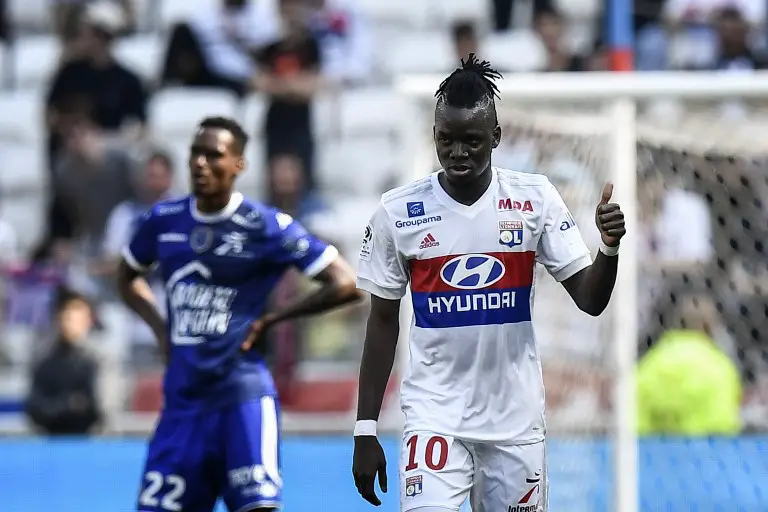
(470, 85)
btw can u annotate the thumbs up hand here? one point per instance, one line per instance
(609, 218)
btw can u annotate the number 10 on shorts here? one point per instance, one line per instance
(426, 452)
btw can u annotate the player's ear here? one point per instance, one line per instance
(496, 136)
(240, 164)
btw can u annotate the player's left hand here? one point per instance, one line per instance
(609, 218)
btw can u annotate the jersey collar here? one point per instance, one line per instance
(468, 210)
(225, 213)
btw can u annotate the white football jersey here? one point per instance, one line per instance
(474, 371)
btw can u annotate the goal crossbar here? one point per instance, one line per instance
(620, 93)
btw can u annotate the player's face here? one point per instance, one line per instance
(464, 139)
(213, 163)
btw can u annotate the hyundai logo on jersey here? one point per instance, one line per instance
(415, 209)
(472, 271)
(510, 232)
(472, 289)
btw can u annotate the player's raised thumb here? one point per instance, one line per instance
(607, 193)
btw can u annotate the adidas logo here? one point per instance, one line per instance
(429, 241)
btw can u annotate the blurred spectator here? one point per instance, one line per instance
(502, 12)
(691, 21)
(217, 49)
(464, 39)
(64, 399)
(649, 56)
(91, 177)
(287, 189)
(5, 22)
(68, 13)
(734, 53)
(345, 40)
(549, 26)
(686, 385)
(154, 185)
(669, 262)
(290, 76)
(114, 93)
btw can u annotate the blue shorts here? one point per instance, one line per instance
(231, 453)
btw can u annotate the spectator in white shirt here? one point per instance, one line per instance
(217, 48)
(345, 41)
(692, 20)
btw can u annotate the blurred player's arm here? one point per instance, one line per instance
(316, 259)
(337, 287)
(562, 250)
(138, 297)
(138, 257)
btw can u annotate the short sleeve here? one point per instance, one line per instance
(141, 252)
(561, 248)
(296, 247)
(118, 230)
(380, 268)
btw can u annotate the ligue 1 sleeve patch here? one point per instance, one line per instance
(366, 250)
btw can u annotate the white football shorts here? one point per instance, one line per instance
(439, 472)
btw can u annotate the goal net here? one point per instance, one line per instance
(693, 312)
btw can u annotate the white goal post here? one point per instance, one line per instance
(613, 102)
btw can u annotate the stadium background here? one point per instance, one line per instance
(712, 256)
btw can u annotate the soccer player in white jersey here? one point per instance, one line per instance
(466, 239)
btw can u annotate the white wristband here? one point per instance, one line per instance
(365, 428)
(607, 250)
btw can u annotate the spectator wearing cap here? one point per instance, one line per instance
(114, 94)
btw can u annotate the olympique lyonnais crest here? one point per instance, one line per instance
(510, 232)
(413, 486)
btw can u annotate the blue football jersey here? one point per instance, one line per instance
(219, 271)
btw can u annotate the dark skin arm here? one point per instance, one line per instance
(137, 295)
(378, 357)
(592, 287)
(338, 288)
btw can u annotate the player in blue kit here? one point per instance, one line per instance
(220, 256)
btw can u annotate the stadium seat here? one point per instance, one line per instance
(445, 12)
(370, 111)
(326, 121)
(582, 10)
(24, 168)
(175, 112)
(34, 60)
(21, 117)
(408, 13)
(418, 52)
(143, 55)
(359, 165)
(254, 110)
(346, 223)
(516, 51)
(27, 214)
(29, 14)
(173, 11)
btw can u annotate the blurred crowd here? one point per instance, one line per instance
(71, 350)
